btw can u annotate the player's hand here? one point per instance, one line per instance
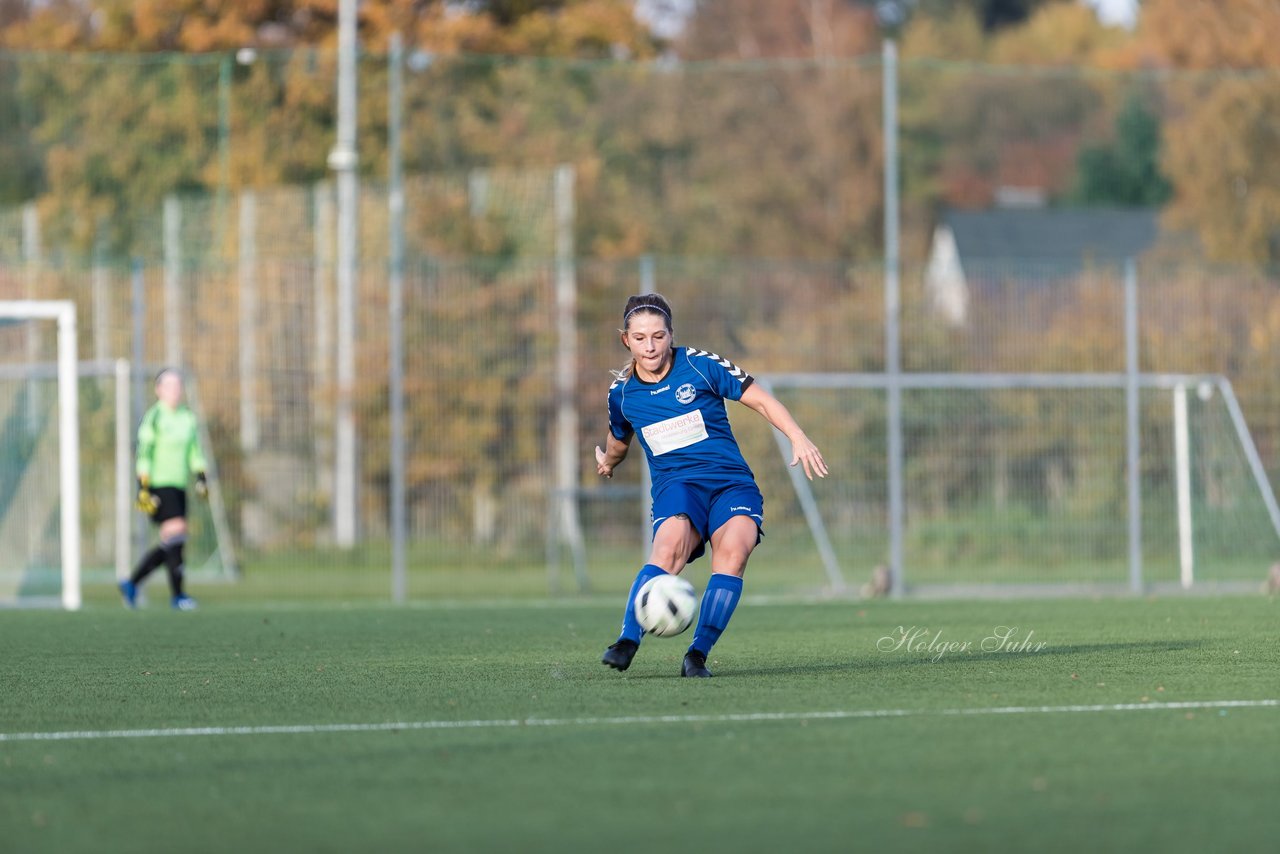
(202, 485)
(804, 451)
(602, 469)
(148, 502)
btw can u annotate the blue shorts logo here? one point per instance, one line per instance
(686, 393)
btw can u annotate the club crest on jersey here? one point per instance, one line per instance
(686, 393)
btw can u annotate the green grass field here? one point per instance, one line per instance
(816, 735)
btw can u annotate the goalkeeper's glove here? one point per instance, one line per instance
(147, 501)
(202, 485)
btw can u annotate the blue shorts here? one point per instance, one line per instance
(708, 506)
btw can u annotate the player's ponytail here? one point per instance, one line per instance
(643, 304)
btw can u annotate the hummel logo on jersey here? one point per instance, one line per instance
(686, 393)
(666, 387)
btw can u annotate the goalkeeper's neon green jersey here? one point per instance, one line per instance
(169, 446)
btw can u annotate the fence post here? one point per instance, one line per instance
(321, 280)
(648, 285)
(892, 309)
(100, 297)
(138, 368)
(1133, 414)
(224, 148)
(570, 527)
(250, 434)
(395, 307)
(172, 226)
(124, 476)
(31, 257)
(1182, 480)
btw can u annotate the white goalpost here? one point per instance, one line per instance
(63, 312)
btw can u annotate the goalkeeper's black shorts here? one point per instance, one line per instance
(173, 504)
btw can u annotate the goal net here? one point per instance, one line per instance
(39, 454)
(1021, 480)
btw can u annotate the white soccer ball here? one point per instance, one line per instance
(666, 605)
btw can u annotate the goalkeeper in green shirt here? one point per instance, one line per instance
(168, 456)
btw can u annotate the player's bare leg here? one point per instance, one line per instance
(674, 541)
(732, 545)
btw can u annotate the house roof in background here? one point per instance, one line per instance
(1061, 236)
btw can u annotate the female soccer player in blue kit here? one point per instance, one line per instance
(703, 490)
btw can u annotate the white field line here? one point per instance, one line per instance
(628, 720)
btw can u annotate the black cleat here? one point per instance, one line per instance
(619, 655)
(695, 664)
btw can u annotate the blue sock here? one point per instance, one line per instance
(630, 626)
(718, 601)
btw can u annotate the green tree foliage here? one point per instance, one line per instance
(1222, 152)
(102, 137)
(21, 174)
(1126, 171)
(993, 15)
(164, 121)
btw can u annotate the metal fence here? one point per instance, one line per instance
(1001, 485)
(752, 195)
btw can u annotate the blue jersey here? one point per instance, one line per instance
(681, 420)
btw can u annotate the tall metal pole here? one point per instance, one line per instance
(1132, 416)
(395, 308)
(648, 285)
(124, 474)
(343, 161)
(137, 357)
(31, 256)
(1182, 484)
(892, 309)
(224, 150)
(247, 281)
(324, 360)
(567, 464)
(172, 225)
(100, 285)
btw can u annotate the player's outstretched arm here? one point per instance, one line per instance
(802, 450)
(614, 452)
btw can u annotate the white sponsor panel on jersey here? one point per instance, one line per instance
(674, 433)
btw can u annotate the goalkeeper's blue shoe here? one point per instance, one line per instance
(184, 603)
(129, 591)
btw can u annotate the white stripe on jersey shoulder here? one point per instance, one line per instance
(621, 382)
(734, 371)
